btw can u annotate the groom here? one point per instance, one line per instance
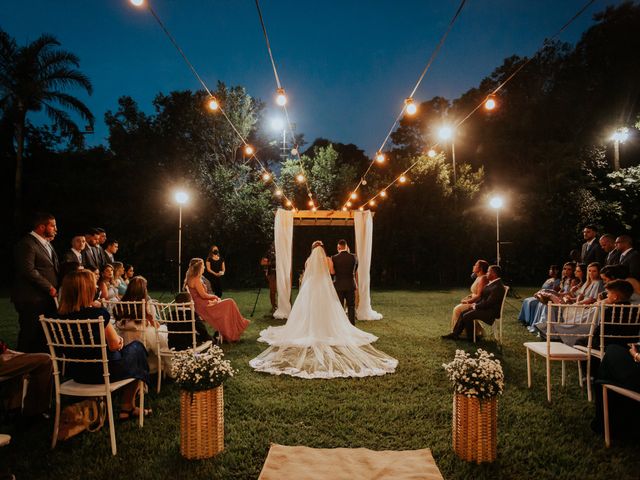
(344, 266)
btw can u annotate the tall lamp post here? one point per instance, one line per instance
(619, 136)
(497, 203)
(446, 134)
(181, 198)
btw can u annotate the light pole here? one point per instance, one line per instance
(181, 198)
(619, 136)
(496, 203)
(446, 133)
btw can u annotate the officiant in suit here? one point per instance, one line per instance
(36, 283)
(487, 309)
(344, 266)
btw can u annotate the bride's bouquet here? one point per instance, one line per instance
(201, 371)
(478, 376)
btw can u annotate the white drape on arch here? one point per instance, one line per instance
(283, 235)
(363, 225)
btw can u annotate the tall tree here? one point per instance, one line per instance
(35, 77)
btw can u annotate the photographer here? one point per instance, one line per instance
(268, 263)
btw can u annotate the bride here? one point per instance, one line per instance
(318, 341)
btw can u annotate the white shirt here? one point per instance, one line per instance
(78, 254)
(44, 242)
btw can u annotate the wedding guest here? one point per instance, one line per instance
(106, 288)
(182, 341)
(133, 325)
(620, 272)
(628, 255)
(215, 269)
(128, 273)
(268, 263)
(591, 250)
(110, 250)
(118, 280)
(125, 361)
(102, 239)
(91, 256)
(479, 271)
(36, 282)
(74, 254)
(14, 366)
(487, 309)
(530, 304)
(223, 315)
(590, 288)
(608, 244)
(567, 283)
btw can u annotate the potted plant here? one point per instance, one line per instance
(200, 377)
(477, 379)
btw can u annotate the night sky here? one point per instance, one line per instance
(346, 65)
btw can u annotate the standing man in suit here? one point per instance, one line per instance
(487, 309)
(591, 251)
(36, 283)
(344, 266)
(74, 254)
(110, 250)
(608, 244)
(91, 256)
(628, 255)
(102, 239)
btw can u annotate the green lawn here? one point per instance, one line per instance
(408, 410)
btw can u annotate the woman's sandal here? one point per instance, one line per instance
(133, 413)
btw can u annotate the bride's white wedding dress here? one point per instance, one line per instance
(318, 341)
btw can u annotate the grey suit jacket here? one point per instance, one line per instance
(36, 271)
(632, 260)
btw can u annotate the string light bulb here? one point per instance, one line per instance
(344, 209)
(288, 203)
(348, 204)
(311, 204)
(402, 179)
(313, 209)
(431, 153)
(248, 150)
(410, 107)
(383, 194)
(361, 209)
(372, 202)
(363, 181)
(213, 105)
(490, 103)
(294, 151)
(354, 195)
(266, 176)
(281, 97)
(278, 193)
(300, 178)
(137, 3)
(380, 157)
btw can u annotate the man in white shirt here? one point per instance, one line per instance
(74, 254)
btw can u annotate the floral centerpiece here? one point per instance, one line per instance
(201, 370)
(200, 375)
(478, 376)
(477, 379)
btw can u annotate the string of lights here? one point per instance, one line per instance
(409, 107)
(214, 105)
(489, 103)
(282, 100)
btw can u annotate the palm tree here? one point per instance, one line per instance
(32, 78)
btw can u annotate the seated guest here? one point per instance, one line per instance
(134, 324)
(620, 272)
(125, 361)
(628, 255)
(182, 341)
(487, 309)
(620, 366)
(618, 293)
(14, 366)
(118, 280)
(480, 273)
(535, 310)
(74, 254)
(128, 273)
(608, 244)
(106, 288)
(223, 315)
(590, 288)
(530, 304)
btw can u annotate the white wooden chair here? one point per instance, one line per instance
(560, 320)
(497, 324)
(605, 404)
(66, 338)
(180, 319)
(620, 323)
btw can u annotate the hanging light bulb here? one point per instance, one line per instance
(248, 150)
(363, 181)
(313, 209)
(410, 107)
(213, 105)
(372, 202)
(278, 193)
(310, 195)
(380, 157)
(361, 209)
(288, 204)
(137, 3)
(431, 153)
(344, 209)
(354, 195)
(402, 179)
(348, 204)
(281, 97)
(490, 103)
(310, 203)
(294, 151)
(383, 194)
(300, 178)
(266, 176)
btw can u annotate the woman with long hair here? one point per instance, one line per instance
(107, 289)
(214, 270)
(223, 315)
(125, 361)
(118, 280)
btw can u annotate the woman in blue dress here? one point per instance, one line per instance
(530, 304)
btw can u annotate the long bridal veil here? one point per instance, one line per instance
(318, 341)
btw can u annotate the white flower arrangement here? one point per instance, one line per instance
(201, 371)
(478, 376)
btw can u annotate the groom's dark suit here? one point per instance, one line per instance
(345, 264)
(487, 309)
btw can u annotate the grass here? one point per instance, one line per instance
(410, 409)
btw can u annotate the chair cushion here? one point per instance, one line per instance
(557, 350)
(71, 387)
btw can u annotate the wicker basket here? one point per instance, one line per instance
(201, 423)
(475, 425)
